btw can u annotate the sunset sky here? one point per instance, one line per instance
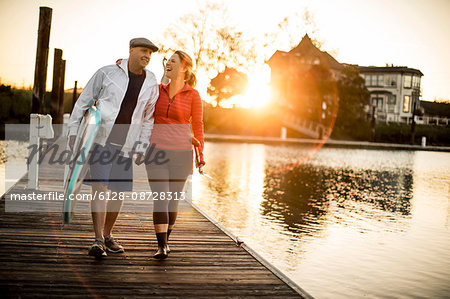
(93, 33)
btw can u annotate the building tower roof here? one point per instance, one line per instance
(306, 48)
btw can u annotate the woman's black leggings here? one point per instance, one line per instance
(167, 180)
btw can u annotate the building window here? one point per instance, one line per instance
(378, 102)
(416, 82)
(392, 99)
(374, 80)
(407, 81)
(406, 103)
(390, 80)
(367, 77)
(380, 80)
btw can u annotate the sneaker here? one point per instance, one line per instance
(112, 245)
(98, 249)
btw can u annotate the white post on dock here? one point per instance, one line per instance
(424, 141)
(34, 139)
(283, 133)
(66, 117)
(40, 127)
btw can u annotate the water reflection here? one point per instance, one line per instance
(236, 190)
(334, 186)
(303, 196)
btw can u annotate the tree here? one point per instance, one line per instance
(226, 84)
(351, 121)
(6, 99)
(314, 97)
(212, 39)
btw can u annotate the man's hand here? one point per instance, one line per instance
(140, 158)
(72, 141)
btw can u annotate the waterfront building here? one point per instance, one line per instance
(303, 84)
(394, 92)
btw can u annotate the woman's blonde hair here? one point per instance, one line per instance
(189, 76)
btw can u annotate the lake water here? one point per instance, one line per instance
(13, 156)
(341, 223)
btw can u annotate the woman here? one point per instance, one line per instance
(178, 107)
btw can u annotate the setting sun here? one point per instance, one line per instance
(258, 91)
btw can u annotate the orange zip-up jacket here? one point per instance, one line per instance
(184, 109)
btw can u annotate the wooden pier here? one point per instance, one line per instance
(40, 256)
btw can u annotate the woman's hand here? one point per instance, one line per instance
(198, 163)
(200, 168)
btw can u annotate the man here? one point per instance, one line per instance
(125, 96)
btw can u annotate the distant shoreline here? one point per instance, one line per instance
(328, 143)
(299, 141)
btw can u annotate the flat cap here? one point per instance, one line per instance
(143, 42)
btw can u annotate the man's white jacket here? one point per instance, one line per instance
(108, 87)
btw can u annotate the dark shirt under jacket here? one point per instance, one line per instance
(123, 120)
